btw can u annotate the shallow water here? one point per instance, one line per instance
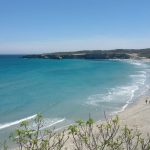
(66, 90)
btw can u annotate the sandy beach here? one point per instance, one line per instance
(137, 115)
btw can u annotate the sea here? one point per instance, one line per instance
(64, 91)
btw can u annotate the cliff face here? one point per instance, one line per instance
(96, 54)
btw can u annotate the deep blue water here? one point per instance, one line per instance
(66, 90)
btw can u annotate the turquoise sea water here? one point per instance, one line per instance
(66, 90)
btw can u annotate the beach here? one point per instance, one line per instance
(113, 86)
(137, 115)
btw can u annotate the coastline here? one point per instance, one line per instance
(136, 115)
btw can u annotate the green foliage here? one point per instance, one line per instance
(83, 135)
(107, 136)
(38, 139)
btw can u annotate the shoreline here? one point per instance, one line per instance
(136, 115)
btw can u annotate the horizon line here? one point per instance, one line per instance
(75, 51)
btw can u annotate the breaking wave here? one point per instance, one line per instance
(124, 94)
(6, 125)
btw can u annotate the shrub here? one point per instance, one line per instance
(38, 139)
(83, 135)
(107, 136)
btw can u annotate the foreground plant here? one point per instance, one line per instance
(83, 135)
(106, 136)
(38, 139)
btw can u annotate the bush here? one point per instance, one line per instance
(108, 135)
(38, 139)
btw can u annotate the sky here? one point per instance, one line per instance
(41, 26)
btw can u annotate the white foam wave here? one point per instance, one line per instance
(47, 123)
(113, 94)
(139, 78)
(52, 123)
(142, 72)
(137, 63)
(138, 75)
(6, 125)
(125, 94)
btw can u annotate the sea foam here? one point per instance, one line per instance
(6, 125)
(127, 93)
(52, 123)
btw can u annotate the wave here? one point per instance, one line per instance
(121, 95)
(118, 93)
(138, 63)
(52, 123)
(124, 95)
(133, 62)
(139, 78)
(46, 122)
(6, 125)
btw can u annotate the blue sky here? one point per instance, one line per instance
(38, 26)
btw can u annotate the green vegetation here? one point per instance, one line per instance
(108, 135)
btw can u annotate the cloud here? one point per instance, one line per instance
(71, 45)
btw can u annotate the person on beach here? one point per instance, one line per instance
(146, 101)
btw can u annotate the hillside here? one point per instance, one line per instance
(96, 54)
